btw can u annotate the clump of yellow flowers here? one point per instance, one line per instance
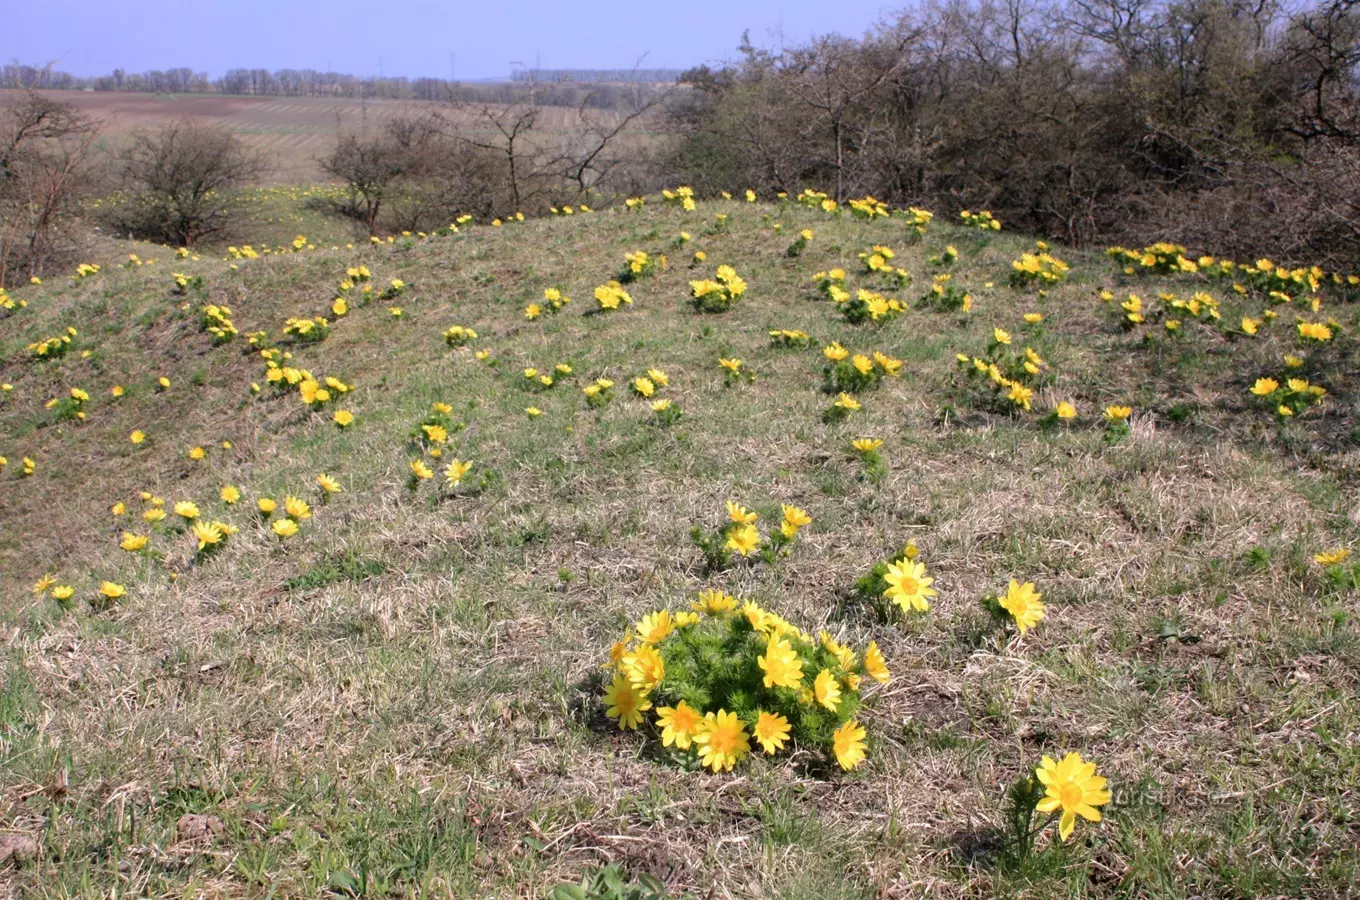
(1008, 377)
(1038, 268)
(983, 221)
(459, 336)
(724, 679)
(639, 264)
(719, 293)
(553, 301)
(611, 295)
(741, 536)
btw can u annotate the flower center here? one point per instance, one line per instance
(1070, 794)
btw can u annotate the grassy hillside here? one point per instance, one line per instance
(404, 697)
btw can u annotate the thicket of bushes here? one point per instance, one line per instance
(1224, 124)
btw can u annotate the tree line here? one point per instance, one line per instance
(604, 85)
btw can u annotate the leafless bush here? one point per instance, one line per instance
(45, 166)
(182, 177)
(1235, 122)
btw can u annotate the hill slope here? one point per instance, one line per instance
(404, 695)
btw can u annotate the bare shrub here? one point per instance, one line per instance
(183, 178)
(45, 168)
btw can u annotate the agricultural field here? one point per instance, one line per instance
(290, 132)
(764, 549)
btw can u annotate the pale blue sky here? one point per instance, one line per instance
(413, 38)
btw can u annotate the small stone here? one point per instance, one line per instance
(195, 827)
(17, 849)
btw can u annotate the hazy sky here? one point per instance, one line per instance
(414, 38)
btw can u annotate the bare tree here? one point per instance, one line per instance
(183, 174)
(836, 78)
(507, 130)
(592, 152)
(45, 163)
(368, 166)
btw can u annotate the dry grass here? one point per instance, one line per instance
(407, 691)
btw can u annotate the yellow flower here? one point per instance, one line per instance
(1000, 336)
(782, 665)
(1315, 331)
(297, 508)
(1023, 603)
(455, 470)
(1066, 410)
(1332, 557)
(625, 702)
(722, 741)
(655, 627)
(714, 603)
(197, 453)
(119, 508)
(1073, 787)
(285, 528)
(63, 592)
(827, 690)
(678, 724)
(42, 584)
(344, 418)
(229, 494)
(771, 731)
(731, 365)
(1250, 326)
(1118, 413)
(875, 666)
(137, 437)
(908, 585)
(1293, 362)
(266, 505)
(186, 509)
(794, 516)
(207, 533)
(644, 386)
(845, 401)
(744, 539)
(644, 668)
(164, 383)
(740, 514)
(848, 744)
(866, 445)
(835, 352)
(112, 590)
(437, 434)
(155, 514)
(1265, 386)
(328, 484)
(533, 411)
(133, 543)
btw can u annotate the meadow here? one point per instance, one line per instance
(391, 679)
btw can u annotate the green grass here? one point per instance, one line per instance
(403, 699)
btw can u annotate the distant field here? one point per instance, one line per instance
(291, 131)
